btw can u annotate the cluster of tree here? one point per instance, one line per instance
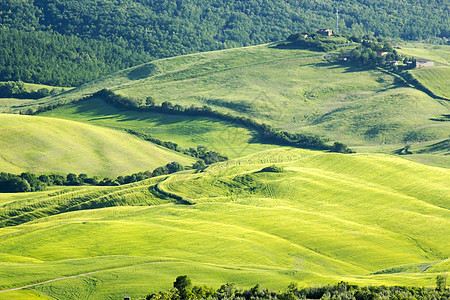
(65, 42)
(266, 132)
(183, 289)
(28, 182)
(341, 148)
(272, 169)
(16, 89)
(201, 152)
(25, 182)
(371, 53)
(314, 41)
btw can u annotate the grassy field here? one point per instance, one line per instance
(33, 87)
(363, 218)
(295, 90)
(227, 138)
(440, 54)
(8, 105)
(437, 79)
(43, 145)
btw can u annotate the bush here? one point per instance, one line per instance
(273, 169)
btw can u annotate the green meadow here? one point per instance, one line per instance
(294, 90)
(437, 53)
(437, 79)
(229, 139)
(7, 105)
(45, 145)
(363, 218)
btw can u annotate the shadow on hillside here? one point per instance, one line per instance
(98, 110)
(142, 72)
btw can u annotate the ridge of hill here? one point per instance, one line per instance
(66, 42)
(45, 145)
(321, 217)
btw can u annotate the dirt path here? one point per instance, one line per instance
(79, 275)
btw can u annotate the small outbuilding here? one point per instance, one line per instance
(328, 32)
(424, 63)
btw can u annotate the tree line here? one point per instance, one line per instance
(68, 42)
(205, 156)
(266, 133)
(29, 182)
(16, 89)
(183, 289)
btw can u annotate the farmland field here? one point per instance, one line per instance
(270, 215)
(43, 145)
(317, 221)
(229, 139)
(294, 90)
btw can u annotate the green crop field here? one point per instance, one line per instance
(363, 218)
(295, 90)
(43, 145)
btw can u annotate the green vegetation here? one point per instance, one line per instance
(66, 42)
(47, 145)
(370, 54)
(315, 42)
(19, 90)
(183, 289)
(231, 140)
(29, 182)
(436, 53)
(296, 91)
(61, 60)
(436, 79)
(266, 132)
(273, 169)
(327, 217)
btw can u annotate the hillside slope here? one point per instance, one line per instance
(43, 145)
(226, 138)
(295, 90)
(363, 218)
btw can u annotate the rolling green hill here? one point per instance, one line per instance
(294, 90)
(229, 139)
(363, 218)
(44, 145)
